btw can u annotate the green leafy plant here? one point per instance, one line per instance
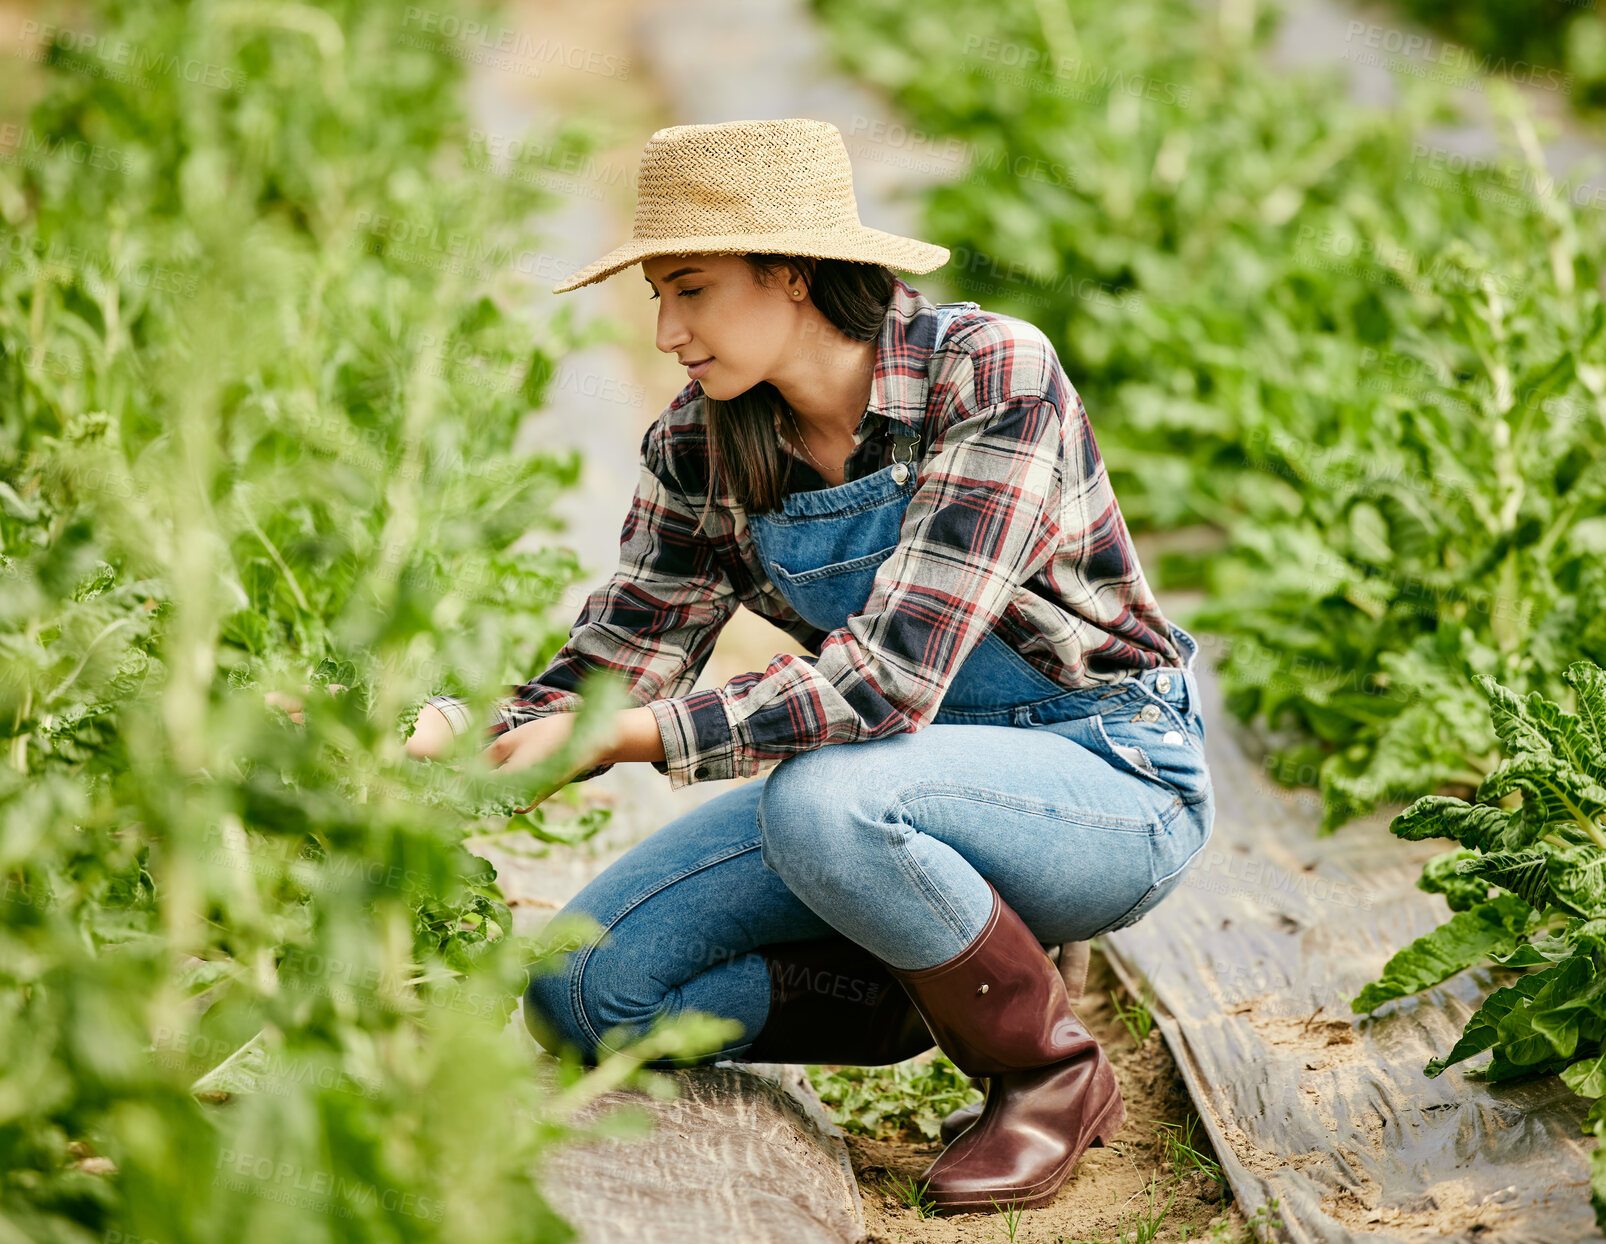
(1143, 1224)
(1183, 1157)
(886, 1102)
(1265, 1222)
(262, 365)
(1008, 1219)
(1546, 858)
(1365, 388)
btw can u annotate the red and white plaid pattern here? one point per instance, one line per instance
(1012, 526)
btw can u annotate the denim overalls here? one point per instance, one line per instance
(822, 550)
(889, 841)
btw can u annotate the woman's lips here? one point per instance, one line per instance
(697, 370)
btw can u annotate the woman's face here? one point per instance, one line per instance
(711, 307)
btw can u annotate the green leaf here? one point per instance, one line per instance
(537, 376)
(1524, 873)
(1555, 1015)
(1527, 956)
(1467, 938)
(1440, 875)
(1588, 680)
(1578, 880)
(1586, 1077)
(1517, 730)
(1564, 794)
(1482, 1029)
(1473, 825)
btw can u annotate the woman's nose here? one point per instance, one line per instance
(672, 334)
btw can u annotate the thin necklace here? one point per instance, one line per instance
(803, 442)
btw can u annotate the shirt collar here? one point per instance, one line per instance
(900, 384)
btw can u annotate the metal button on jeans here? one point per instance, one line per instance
(1149, 712)
(900, 473)
(1162, 684)
(1173, 736)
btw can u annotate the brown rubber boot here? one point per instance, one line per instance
(832, 1001)
(1073, 961)
(1000, 1009)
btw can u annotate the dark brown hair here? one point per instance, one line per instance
(744, 459)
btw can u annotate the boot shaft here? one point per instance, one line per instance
(832, 1001)
(1000, 1004)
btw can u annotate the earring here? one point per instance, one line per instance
(797, 293)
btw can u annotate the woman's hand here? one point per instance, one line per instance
(432, 735)
(292, 703)
(534, 741)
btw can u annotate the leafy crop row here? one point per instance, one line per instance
(1560, 45)
(1547, 858)
(1377, 378)
(261, 370)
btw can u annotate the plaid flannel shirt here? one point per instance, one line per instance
(1012, 526)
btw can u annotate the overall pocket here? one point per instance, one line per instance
(826, 595)
(1155, 742)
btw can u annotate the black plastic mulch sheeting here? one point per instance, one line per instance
(1331, 1114)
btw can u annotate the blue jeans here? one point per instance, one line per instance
(1084, 812)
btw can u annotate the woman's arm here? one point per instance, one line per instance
(654, 623)
(638, 739)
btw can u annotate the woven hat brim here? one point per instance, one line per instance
(866, 245)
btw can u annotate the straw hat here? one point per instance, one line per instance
(761, 187)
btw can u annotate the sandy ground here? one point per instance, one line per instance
(1109, 1190)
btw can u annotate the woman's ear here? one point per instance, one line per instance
(798, 275)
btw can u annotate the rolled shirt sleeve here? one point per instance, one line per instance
(984, 518)
(654, 623)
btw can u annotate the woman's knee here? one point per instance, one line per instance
(549, 1012)
(813, 817)
(596, 999)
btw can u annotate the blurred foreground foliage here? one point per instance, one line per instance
(262, 362)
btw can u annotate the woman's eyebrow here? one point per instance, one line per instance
(672, 275)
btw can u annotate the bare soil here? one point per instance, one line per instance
(1110, 1189)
